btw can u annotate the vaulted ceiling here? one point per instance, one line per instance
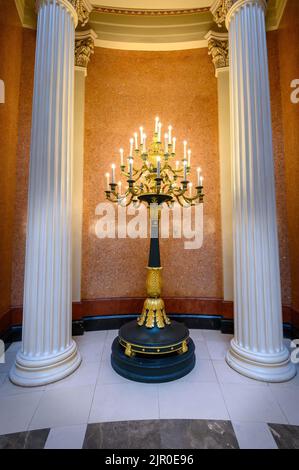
(166, 25)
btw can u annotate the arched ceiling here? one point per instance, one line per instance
(151, 24)
(154, 4)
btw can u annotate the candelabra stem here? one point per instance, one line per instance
(153, 313)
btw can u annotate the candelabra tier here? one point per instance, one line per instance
(154, 349)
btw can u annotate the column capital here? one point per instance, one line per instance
(63, 3)
(219, 10)
(84, 47)
(223, 9)
(83, 9)
(219, 49)
(238, 4)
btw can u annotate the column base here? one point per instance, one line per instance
(275, 367)
(34, 371)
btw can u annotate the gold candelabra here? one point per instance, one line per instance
(156, 173)
(156, 180)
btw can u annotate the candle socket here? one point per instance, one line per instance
(131, 183)
(122, 167)
(158, 182)
(113, 186)
(185, 184)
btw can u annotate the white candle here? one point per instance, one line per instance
(141, 134)
(185, 149)
(169, 133)
(107, 181)
(119, 186)
(198, 176)
(185, 170)
(157, 125)
(159, 131)
(189, 158)
(177, 165)
(131, 147)
(121, 151)
(190, 189)
(131, 168)
(113, 173)
(144, 143)
(201, 181)
(173, 144)
(158, 167)
(136, 140)
(166, 143)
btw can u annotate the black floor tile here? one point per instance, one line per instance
(161, 434)
(25, 440)
(285, 435)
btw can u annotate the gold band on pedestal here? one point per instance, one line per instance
(153, 313)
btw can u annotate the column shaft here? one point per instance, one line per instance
(257, 349)
(48, 351)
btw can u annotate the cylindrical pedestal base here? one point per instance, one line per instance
(35, 372)
(152, 369)
(267, 368)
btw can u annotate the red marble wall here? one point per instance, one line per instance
(123, 91)
(289, 70)
(10, 67)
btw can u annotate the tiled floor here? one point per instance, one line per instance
(211, 401)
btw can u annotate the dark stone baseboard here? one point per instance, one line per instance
(114, 322)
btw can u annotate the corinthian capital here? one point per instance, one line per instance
(219, 10)
(84, 47)
(83, 9)
(218, 49)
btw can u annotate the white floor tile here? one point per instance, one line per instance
(199, 401)
(202, 372)
(92, 352)
(122, 402)
(291, 383)
(86, 374)
(107, 375)
(226, 374)
(91, 337)
(63, 407)
(16, 411)
(196, 335)
(7, 388)
(252, 404)
(217, 349)
(216, 335)
(2, 377)
(254, 435)
(10, 357)
(288, 399)
(68, 437)
(111, 335)
(201, 350)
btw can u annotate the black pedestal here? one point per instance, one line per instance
(157, 354)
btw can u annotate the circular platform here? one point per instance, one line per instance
(142, 340)
(152, 368)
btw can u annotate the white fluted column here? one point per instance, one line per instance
(48, 352)
(257, 349)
